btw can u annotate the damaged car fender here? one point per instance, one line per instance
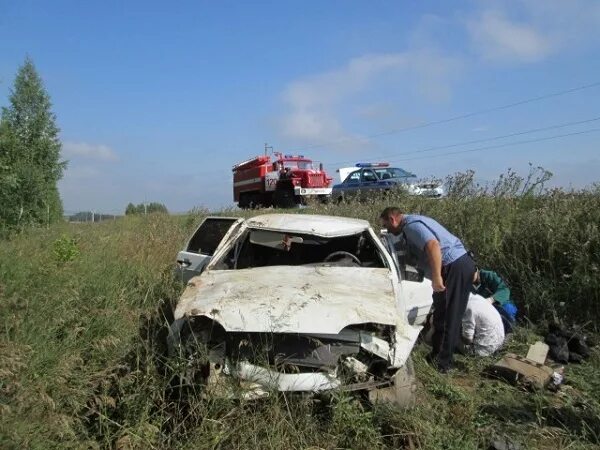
(297, 303)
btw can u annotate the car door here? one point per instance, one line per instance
(203, 244)
(368, 182)
(415, 289)
(351, 184)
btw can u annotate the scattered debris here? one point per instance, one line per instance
(538, 352)
(519, 370)
(557, 378)
(530, 371)
(567, 345)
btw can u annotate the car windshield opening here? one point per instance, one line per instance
(208, 236)
(260, 248)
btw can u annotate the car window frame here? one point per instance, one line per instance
(362, 176)
(348, 181)
(213, 248)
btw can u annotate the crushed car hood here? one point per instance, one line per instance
(285, 299)
(314, 224)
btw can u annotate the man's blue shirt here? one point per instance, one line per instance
(421, 229)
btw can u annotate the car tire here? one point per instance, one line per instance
(194, 358)
(244, 202)
(284, 198)
(402, 393)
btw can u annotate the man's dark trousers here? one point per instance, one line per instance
(449, 309)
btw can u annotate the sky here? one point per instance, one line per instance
(156, 100)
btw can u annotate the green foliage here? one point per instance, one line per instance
(155, 207)
(30, 165)
(82, 358)
(353, 424)
(547, 245)
(143, 208)
(448, 392)
(131, 209)
(65, 249)
(89, 216)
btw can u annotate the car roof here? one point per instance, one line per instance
(406, 173)
(318, 225)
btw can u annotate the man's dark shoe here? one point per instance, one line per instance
(443, 369)
(431, 359)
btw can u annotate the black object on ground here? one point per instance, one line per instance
(567, 344)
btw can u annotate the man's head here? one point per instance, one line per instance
(391, 219)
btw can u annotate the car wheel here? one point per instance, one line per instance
(201, 351)
(244, 202)
(194, 360)
(284, 198)
(402, 393)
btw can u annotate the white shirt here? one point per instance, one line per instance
(483, 326)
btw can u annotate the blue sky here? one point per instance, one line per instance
(157, 100)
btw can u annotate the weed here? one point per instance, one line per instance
(65, 249)
(82, 349)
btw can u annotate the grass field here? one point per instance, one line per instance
(82, 309)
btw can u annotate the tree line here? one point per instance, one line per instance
(145, 208)
(91, 216)
(30, 162)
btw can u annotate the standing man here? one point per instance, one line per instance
(443, 258)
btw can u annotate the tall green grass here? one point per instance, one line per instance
(83, 309)
(547, 246)
(545, 242)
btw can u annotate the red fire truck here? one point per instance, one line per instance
(285, 181)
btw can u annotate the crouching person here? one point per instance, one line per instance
(482, 328)
(490, 285)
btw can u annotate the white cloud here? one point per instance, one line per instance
(497, 38)
(480, 129)
(316, 104)
(375, 111)
(98, 152)
(532, 30)
(311, 102)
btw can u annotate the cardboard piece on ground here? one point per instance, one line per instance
(514, 369)
(538, 352)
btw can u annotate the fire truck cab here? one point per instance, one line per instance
(285, 181)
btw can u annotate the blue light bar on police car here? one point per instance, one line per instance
(381, 164)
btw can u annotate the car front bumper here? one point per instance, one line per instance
(312, 191)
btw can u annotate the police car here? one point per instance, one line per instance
(366, 178)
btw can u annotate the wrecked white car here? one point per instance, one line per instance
(291, 302)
